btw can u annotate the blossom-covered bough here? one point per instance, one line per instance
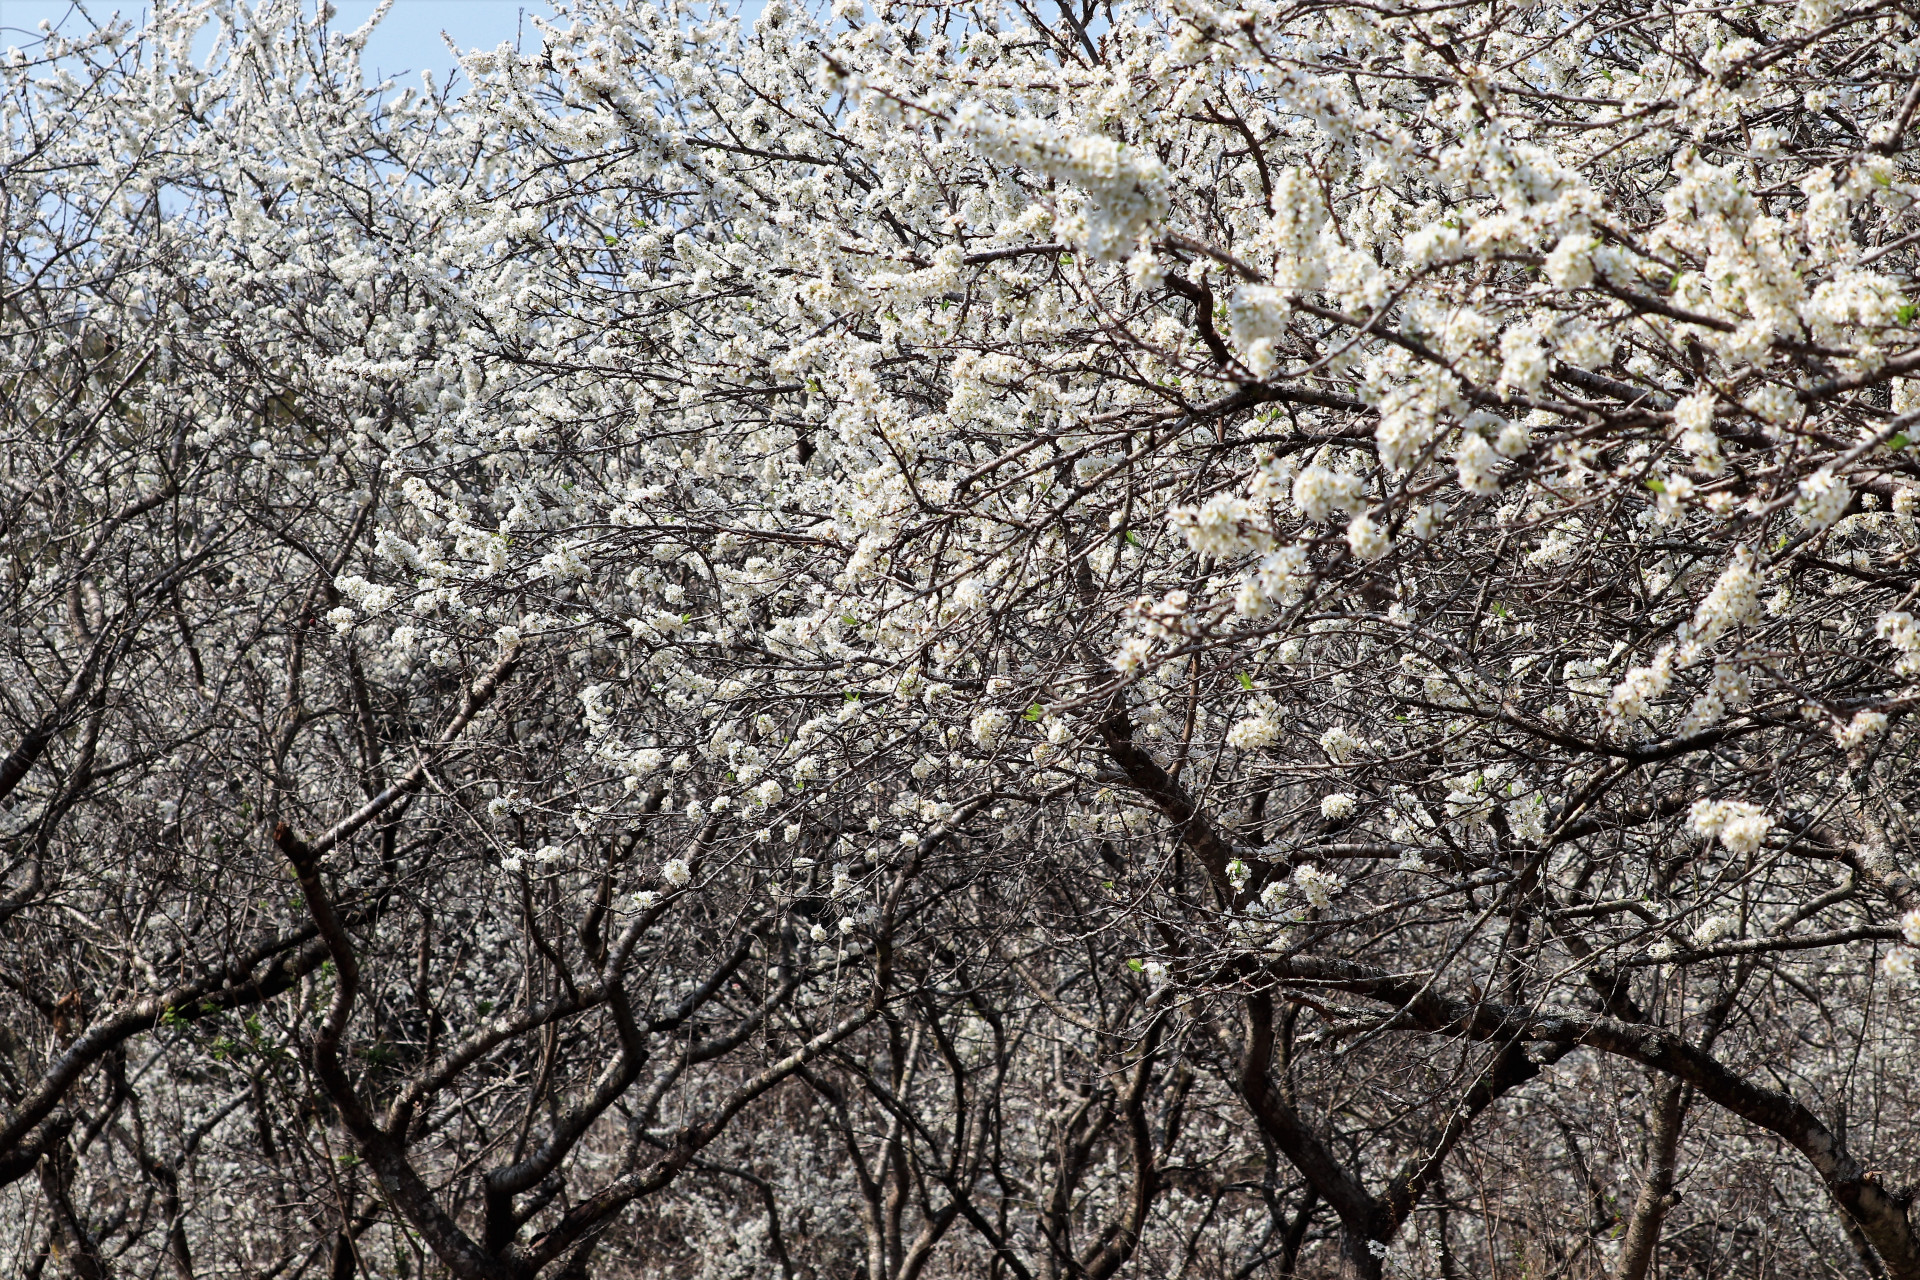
(964, 640)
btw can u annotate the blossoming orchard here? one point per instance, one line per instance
(1013, 640)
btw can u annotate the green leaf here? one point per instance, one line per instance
(1899, 441)
(1034, 712)
(1657, 485)
(1135, 965)
(1246, 681)
(1133, 537)
(1907, 312)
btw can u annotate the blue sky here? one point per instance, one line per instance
(407, 41)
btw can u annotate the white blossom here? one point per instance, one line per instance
(1337, 805)
(1740, 826)
(1864, 727)
(1822, 498)
(989, 725)
(1316, 885)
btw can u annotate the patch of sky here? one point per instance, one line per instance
(412, 37)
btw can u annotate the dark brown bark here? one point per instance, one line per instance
(1656, 1194)
(1367, 1222)
(1881, 1217)
(71, 1236)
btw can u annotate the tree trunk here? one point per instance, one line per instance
(1357, 1259)
(1656, 1186)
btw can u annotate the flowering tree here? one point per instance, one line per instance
(1250, 641)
